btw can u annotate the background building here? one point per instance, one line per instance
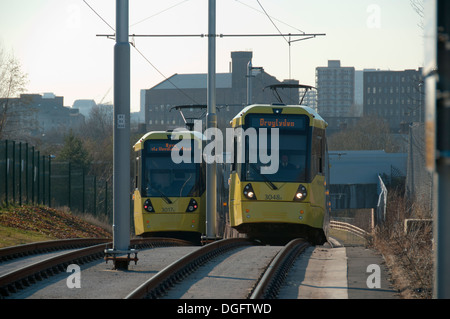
(36, 115)
(84, 106)
(231, 94)
(396, 96)
(335, 89)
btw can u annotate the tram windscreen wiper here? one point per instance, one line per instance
(166, 199)
(266, 180)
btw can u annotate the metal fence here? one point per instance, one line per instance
(419, 181)
(382, 201)
(29, 177)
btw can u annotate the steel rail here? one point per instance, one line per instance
(19, 278)
(270, 282)
(162, 281)
(9, 253)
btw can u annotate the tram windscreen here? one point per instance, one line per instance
(162, 177)
(293, 151)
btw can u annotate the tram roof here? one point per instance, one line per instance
(316, 119)
(159, 135)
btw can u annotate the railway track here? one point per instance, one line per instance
(25, 276)
(268, 266)
(268, 284)
(273, 278)
(10, 253)
(161, 282)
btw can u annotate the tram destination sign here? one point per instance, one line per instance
(296, 122)
(161, 146)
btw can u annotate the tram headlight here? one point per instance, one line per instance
(248, 192)
(148, 206)
(301, 193)
(193, 205)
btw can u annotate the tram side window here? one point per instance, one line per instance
(233, 164)
(317, 152)
(138, 170)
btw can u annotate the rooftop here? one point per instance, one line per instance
(193, 81)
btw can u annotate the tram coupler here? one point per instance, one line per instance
(121, 262)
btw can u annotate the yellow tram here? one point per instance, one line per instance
(169, 196)
(291, 200)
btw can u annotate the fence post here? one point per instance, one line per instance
(106, 198)
(33, 172)
(6, 172)
(70, 186)
(95, 196)
(38, 176)
(20, 173)
(49, 181)
(43, 179)
(14, 172)
(82, 172)
(27, 167)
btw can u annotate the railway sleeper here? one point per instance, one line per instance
(25, 283)
(32, 279)
(4, 292)
(12, 289)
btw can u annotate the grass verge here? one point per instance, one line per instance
(25, 224)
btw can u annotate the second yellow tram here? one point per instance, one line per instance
(169, 196)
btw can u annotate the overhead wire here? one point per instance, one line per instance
(268, 16)
(162, 74)
(158, 13)
(282, 22)
(98, 15)
(133, 44)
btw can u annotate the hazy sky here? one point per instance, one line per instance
(56, 42)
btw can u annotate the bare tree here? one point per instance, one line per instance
(370, 133)
(12, 82)
(99, 124)
(97, 135)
